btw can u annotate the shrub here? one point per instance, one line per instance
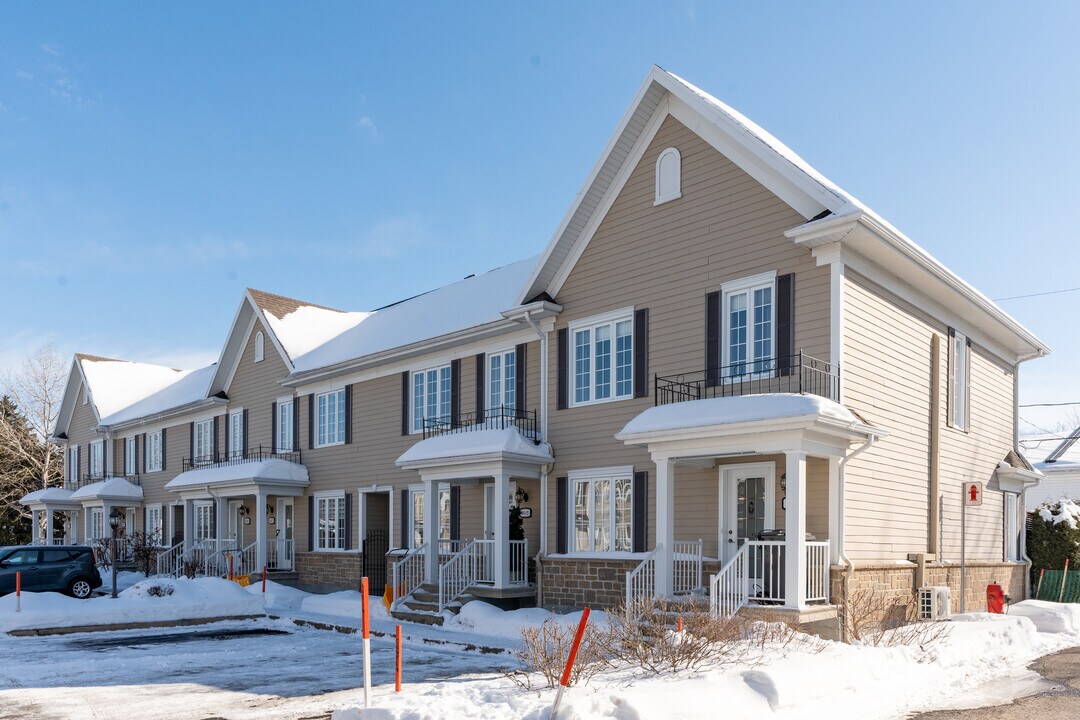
(159, 590)
(192, 564)
(1053, 536)
(144, 550)
(545, 649)
(871, 617)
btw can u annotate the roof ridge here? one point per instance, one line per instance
(275, 303)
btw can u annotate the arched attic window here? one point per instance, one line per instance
(259, 346)
(668, 176)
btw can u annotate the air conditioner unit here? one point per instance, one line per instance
(935, 603)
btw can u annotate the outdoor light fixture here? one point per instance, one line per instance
(114, 523)
(521, 496)
(243, 510)
(783, 483)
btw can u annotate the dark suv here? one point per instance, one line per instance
(59, 568)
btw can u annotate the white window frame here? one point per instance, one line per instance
(285, 432)
(152, 451)
(959, 381)
(203, 446)
(203, 523)
(155, 524)
(330, 431)
(1012, 550)
(73, 464)
(96, 520)
(442, 398)
(96, 467)
(746, 287)
(590, 477)
(416, 521)
(326, 501)
(611, 321)
(496, 393)
(236, 434)
(260, 347)
(85, 395)
(131, 456)
(673, 193)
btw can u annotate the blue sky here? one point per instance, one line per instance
(157, 159)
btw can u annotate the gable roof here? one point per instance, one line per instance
(825, 205)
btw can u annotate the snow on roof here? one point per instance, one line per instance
(188, 386)
(461, 305)
(309, 326)
(53, 494)
(1040, 446)
(274, 470)
(111, 488)
(116, 384)
(492, 441)
(737, 409)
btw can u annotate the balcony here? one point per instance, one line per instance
(236, 458)
(494, 419)
(797, 373)
(96, 477)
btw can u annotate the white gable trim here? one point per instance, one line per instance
(72, 393)
(227, 361)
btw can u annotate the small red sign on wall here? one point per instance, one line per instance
(973, 493)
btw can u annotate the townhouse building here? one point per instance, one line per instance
(723, 375)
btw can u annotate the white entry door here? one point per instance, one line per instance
(748, 504)
(490, 509)
(236, 522)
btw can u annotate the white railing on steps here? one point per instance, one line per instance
(686, 566)
(243, 561)
(757, 574)
(730, 588)
(408, 574)
(460, 572)
(168, 560)
(641, 581)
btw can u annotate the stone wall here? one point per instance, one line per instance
(577, 583)
(329, 571)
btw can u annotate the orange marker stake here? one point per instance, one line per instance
(565, 680)
(18, 591)
(680, 625)
(366, 625)
(397, 676)
(264, 578)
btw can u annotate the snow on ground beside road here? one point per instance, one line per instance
(199, 598)
(479, 616)
(841, 681)
(344, 604)
(278, 596)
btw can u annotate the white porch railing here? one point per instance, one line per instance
(243, 561)
(641, 581)
(729, 588)
(519, 562)
(408, 573)
(279, 554)
(168, 560)
(686, 567)
(757, 574)
(460, 572)
(817, 571)
(215, 562)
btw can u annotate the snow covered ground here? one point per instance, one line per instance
(273, 668)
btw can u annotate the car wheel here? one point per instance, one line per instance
(80, 588)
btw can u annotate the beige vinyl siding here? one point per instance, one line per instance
(726, 226)
(255, 387)
(82, 432)
(887, 379)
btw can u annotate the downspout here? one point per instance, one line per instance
(1023, 493)
(849, 572)
(543, 431)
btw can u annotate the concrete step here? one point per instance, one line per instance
(418, 617)
(420, 606)
(425, 596)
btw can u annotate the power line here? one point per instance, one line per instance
(1060, 404)
(1051, 292)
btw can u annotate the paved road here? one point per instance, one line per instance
(1062, 701)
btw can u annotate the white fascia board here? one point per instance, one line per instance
(226, 366)
(71, 397)
(191, 412)
(852, 432)
(539, 310)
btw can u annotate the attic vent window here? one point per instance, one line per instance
(668, 176)
(258, 347)
(85, 395)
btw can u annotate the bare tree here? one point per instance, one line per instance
(30, 462)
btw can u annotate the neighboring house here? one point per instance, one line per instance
(1057, 457)
(724, 374)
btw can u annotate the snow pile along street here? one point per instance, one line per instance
(836, 681)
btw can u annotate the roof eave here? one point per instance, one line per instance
(152, 418)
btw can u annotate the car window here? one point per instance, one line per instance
(55, 556)
(22, 557)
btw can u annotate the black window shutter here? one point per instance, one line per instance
(214, 442)
(348, 414)
(405, 517)
(785, 322)
(562, 497)
(455, 391)
(712, 338)
(213, 517)
(562, 342)
(640, 511)
(405, 404)
(228, 433)
(191, 441)
(311, 421)
(296, 423)
(455, 512)
(348, 521)
(162, 448)
(481, 388)
(244, 435)
(273, 427)
(641, 353)
(311, 522)
(143, 451)
(519, 380)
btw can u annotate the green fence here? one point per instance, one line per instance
(1051, 586)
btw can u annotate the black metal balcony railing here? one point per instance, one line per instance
(797, 373)
(493, 419)
(236, 457)
(91, 478)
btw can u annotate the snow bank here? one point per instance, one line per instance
(484, 618)
(1049, 617)
(199, 598)
(278, 596)
(344, 604)
(1064, 510)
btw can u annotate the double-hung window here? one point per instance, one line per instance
(330, 522)
(204, 521)
(283, 430)
(152, 450)
(749, 331)
(97, 459)
(236, 434)
(416, 516)
(153, 524)
(204, 442)
(330, 409)
(73, 464)
(1012, 528)
(959, 379)
(129, 456)
(430, 396)
(602, 511)
(502, 380)
(603, 358)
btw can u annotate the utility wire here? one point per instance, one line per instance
(1051, 292)
(1051, 404)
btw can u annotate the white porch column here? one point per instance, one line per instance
(35, 528)
(431, 531)
(260, 532)
(501, 525)
(835, 531)
(189, 524)
(221, 518)
(795, 521)
(49, 516)
(665, 526)
(86, 525)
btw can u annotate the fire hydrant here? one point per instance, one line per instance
(995, 599)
